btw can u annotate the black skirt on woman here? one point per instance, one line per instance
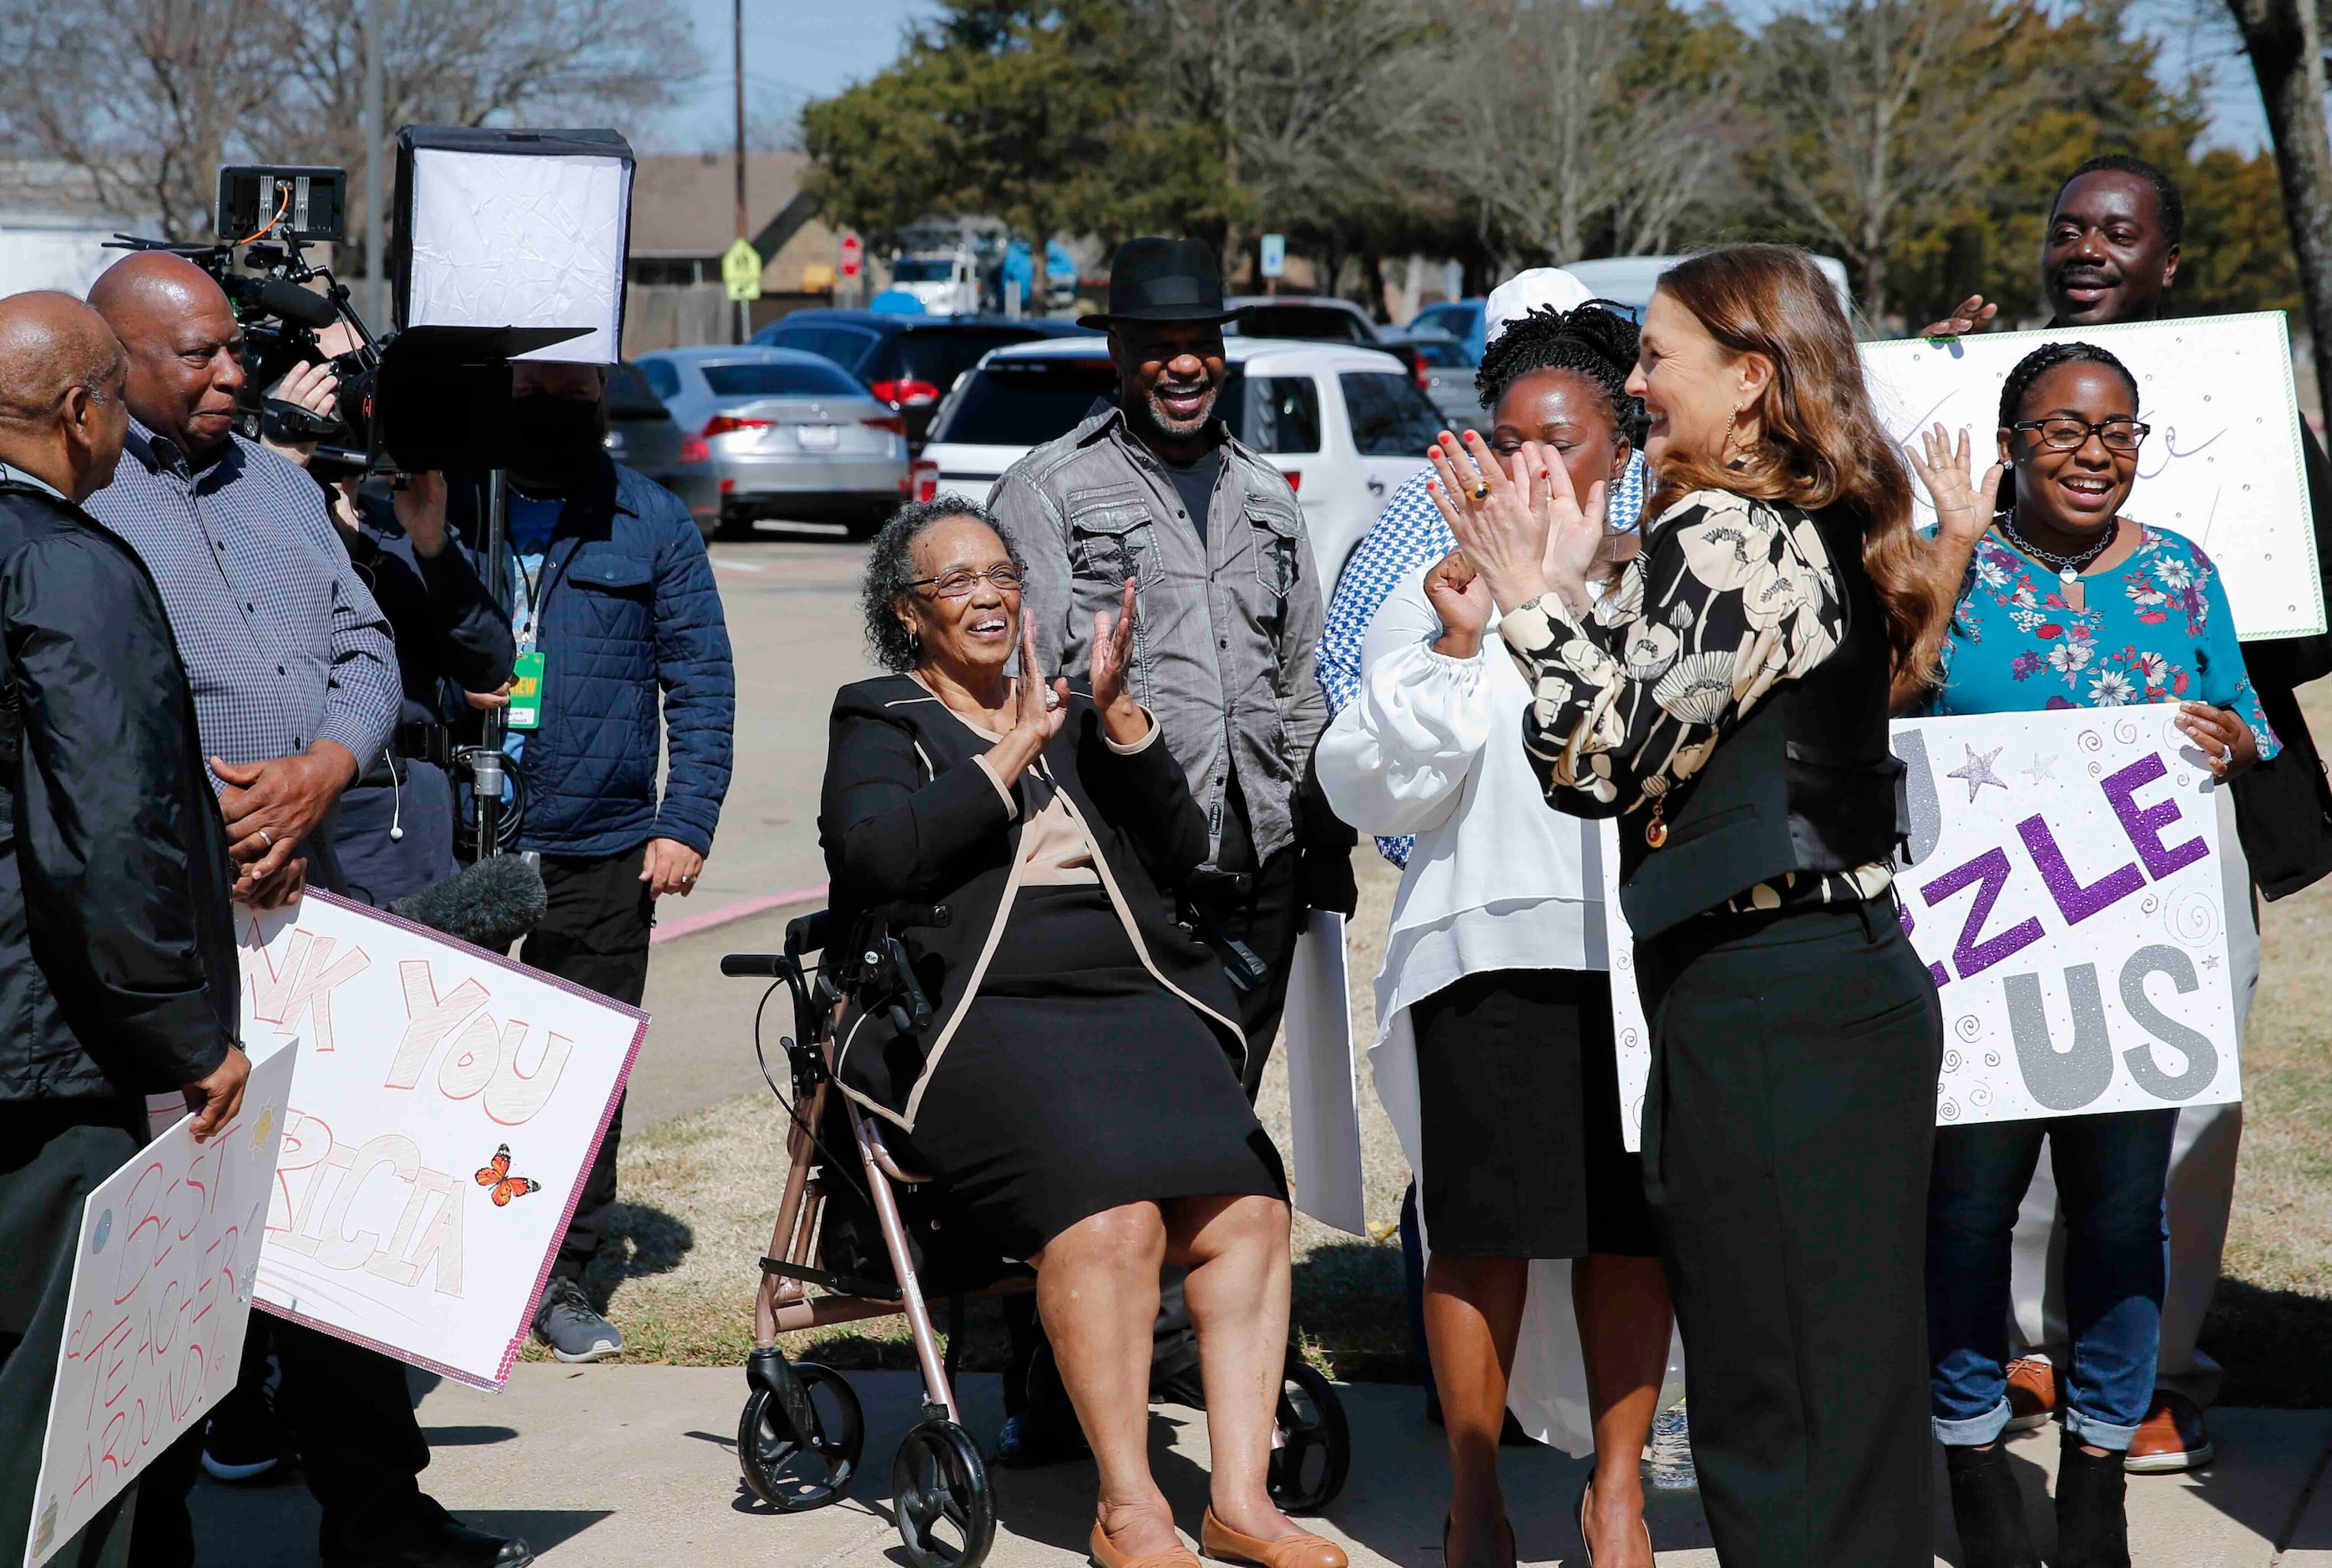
(1077, 1084)
(1518, 1092)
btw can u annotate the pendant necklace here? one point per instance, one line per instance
(2068, 568)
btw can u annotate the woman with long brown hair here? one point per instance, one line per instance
(1727, 701)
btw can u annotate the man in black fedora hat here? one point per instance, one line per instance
(1230, 604)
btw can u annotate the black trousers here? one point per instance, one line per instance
(594, 932)
(1788, 1130)
(52, 1155)
(349, 1412)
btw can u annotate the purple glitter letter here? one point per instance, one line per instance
(2077, 903)
(2144, 824)
(1936, 971)
(1990, 871)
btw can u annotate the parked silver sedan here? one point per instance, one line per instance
(793, 436)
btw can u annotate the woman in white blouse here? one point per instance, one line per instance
(1494, 1051)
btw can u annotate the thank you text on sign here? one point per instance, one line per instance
(450, 1102)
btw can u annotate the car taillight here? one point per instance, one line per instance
(892, 422)
(723, 423)
(905, 392)
(695, 449)
(1424, 371)
(1294, 478)
(923, 481)
(728, 487)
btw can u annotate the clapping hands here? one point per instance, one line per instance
(1523, 527)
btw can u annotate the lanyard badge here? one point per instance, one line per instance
(525, 710)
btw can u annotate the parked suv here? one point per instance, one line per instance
(908, 362)
(1346, 424)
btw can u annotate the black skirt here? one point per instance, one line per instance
(1518, 1094)
(1077, 1083)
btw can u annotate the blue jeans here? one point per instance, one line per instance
(2110, 1171)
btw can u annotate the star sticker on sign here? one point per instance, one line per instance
(1978, 770)
(2041, 767)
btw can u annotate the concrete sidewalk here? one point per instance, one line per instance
(611, 1467)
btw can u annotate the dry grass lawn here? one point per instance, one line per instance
(702, 1194)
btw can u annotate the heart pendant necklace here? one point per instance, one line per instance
(2068, 568)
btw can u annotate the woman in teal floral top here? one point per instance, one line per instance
(2065, 603)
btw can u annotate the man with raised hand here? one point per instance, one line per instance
(117, 975)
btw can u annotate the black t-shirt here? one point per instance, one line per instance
(1196, 485)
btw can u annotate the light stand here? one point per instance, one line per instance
(486, 759)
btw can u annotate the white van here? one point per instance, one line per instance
(947, 283)
(1629, 279)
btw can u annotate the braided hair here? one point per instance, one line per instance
(2047, 357)
(1596, 341)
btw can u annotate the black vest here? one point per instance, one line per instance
(1805, 783)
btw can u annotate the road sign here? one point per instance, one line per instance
(1274, 255)
(740, 269)
(853, 254)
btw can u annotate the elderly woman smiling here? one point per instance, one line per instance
(1077, 1090)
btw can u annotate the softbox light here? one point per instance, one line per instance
(514, 228)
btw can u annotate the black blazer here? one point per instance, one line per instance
(118, 969)
(909, 816)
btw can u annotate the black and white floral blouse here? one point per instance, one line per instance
(1728, 595)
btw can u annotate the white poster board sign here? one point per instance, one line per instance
(2222, 465)
(449, 1104)
(160, 1299)
(2065, 890)
(1323, 1105)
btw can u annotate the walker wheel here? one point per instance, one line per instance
(794, 1472)
(946, 1509)
(1313, 1454)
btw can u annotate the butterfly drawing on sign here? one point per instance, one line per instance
(496, 1175)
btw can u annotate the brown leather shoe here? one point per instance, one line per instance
(1302, 1550)
(2032, 1393)
(2173, 1436)
(1105, 1556)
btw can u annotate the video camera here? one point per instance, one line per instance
(435, 391)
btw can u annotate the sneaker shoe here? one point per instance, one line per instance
(2173, 1436)
(244, 1441)
(2032, 1393)
(1030, 1442)
(566, 1322)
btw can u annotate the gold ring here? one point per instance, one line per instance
(1481, 491)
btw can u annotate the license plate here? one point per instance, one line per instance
(818, 438)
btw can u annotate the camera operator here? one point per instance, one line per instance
(613, 600)
(394, 832)
(295, 693)
(117, 945)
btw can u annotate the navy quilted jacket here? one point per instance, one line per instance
(630, 609)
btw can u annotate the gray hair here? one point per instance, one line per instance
(891, 572)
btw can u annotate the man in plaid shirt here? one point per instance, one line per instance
(296, 692)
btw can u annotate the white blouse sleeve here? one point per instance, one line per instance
(1395, 760)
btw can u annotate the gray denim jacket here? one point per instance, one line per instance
(1222, 651)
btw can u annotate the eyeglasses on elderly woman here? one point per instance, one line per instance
(960, 584)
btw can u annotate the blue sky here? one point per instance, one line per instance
(797, 50)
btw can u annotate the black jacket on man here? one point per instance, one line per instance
(2283, 807)
(118, 970)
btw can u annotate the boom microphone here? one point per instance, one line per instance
(294, 303)
(491, 905)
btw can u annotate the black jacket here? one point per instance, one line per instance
(908, 816)
(118, 968)
(447, 628)
(2283, 808)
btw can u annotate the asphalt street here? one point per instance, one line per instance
(791, 595)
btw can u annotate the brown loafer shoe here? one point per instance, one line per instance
(1105, 1556)
(2032, 1393)
(2173, 1436)
(1302, 1550)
